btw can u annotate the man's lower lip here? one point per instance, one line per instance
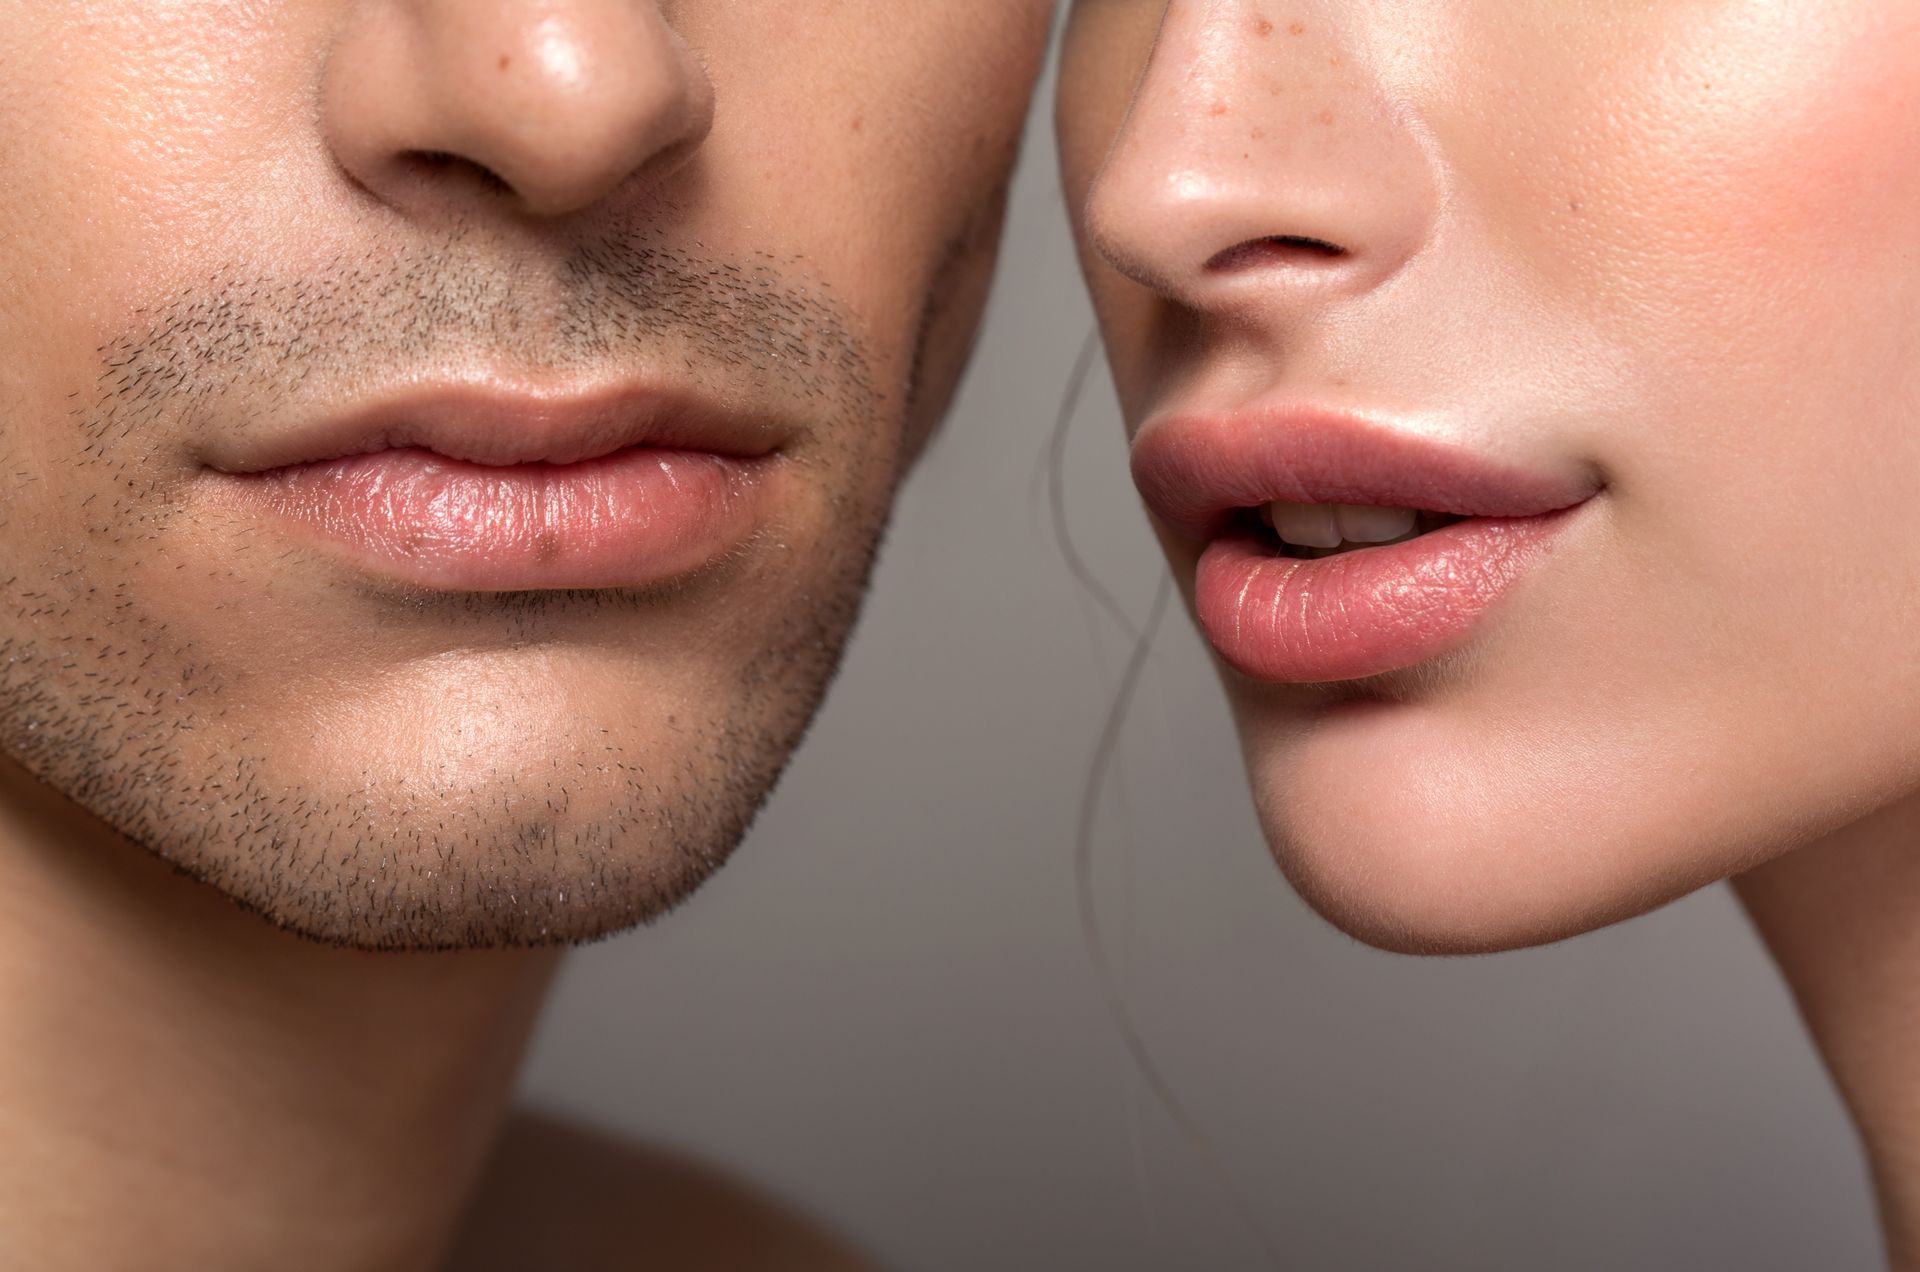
(637, 517)
(1363, 612)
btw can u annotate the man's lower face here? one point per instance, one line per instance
(345, 688)
(442, 446)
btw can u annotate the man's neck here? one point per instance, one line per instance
(1842, 918)
(182, 1085)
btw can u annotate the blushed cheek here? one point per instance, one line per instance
(1727, 157)
(1731, 202)
(1797, 158)
(1749, 240)
(1799, 95)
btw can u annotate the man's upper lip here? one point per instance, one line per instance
(499, 426)
(1194, 471)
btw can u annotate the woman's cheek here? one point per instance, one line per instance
(1702, 167)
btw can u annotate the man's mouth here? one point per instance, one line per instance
(493, 491)
(500, 425)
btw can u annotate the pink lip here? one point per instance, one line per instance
(478, 491)
(1362, 612)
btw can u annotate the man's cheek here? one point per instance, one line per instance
(155, 177)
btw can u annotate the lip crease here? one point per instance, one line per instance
(502, 425)
(1362, 612)
(477, 489)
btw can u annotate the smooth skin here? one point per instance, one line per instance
(1669, 245)
(223, 214)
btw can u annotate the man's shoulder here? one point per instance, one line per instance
(560, 1197)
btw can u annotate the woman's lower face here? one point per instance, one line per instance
(1625, 299)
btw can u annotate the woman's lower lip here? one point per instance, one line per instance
(633, 518)
(1363, 612)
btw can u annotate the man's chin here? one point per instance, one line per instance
(489, 826)
(490, 875)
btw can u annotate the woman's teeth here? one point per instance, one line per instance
(1332, 525)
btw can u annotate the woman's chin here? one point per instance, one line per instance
(1434, 898)
(1420, 843)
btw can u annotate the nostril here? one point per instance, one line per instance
(438, 164)
(1277, 249)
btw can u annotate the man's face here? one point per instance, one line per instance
(443, 443)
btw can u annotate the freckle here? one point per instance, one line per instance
(1298, 28)
(1217, 109)
(1259, 134)
(1334, 60)
(505, 61)
(1326, 116)
(1262, 27)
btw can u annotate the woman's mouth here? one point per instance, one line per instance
(1338, 547)
(1301, 613)
(1308, 532)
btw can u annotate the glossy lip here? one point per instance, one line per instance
(479, 488)
(1363, 612)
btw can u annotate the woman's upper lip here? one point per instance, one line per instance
(1195, 471)
(501, 426)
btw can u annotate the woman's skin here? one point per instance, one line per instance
(1654, 263)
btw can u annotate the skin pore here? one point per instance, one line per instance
(265, 221)
(1661, 250)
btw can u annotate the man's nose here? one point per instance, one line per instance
(554, 104)
(1258, 169)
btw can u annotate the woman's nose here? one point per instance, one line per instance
(1258, 164)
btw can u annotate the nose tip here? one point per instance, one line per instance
(586, 105)
(1207, 241)
(1248, 170)
(558, 103)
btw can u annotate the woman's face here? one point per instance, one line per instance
(1633, 285)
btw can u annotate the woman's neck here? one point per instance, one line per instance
(182, 1085)
(1842, 918)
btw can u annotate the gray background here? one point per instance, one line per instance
(883, 1009)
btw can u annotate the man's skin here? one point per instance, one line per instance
(274, 268)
